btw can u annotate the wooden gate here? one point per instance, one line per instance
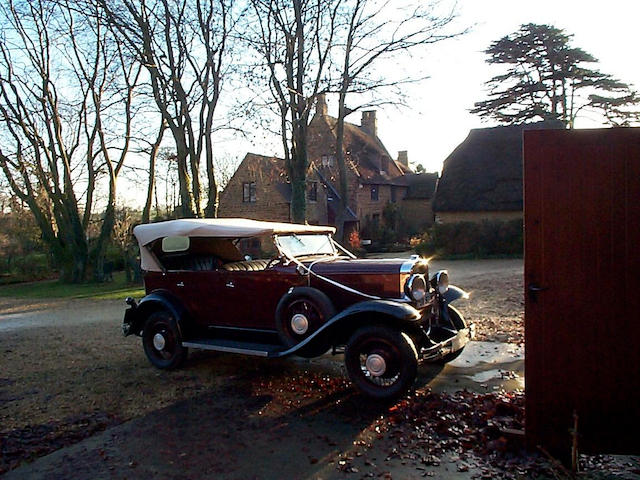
(582, 289)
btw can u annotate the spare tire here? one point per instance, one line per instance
(300, 313)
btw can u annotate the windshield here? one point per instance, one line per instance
(301, 245)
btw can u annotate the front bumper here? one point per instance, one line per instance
(450, 345)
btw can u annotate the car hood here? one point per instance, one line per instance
(361, 266)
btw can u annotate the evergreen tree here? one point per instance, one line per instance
(546, 79)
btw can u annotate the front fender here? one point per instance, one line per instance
(340, 327)
(402, 312)
(454, 293)
(136, 315)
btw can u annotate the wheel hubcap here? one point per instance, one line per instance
(299, 324)
(159, 341)
(376, 365)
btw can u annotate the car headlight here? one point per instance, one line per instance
(417, 288)
(441, 281)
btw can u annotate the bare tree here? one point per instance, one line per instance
(372, 34)
(57, 68)
(123, 239)
(185, 47)
(293, 40)
(227, 165)
(151, 184)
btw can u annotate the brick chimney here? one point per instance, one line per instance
(321, 105)
(403, 158)
(369, 123)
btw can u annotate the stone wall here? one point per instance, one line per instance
(417, 213)
(272, 192)
(454, 217)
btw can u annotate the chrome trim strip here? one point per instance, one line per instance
(217, 348)
(240, 329)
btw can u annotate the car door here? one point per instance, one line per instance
(248, 299)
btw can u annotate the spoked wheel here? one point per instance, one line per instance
(381, 362)
(299, 314)
(162, 341)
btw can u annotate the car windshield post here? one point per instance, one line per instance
(340, 247)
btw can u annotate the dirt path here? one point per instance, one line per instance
(496, 302)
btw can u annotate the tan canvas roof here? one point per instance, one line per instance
(219, 227)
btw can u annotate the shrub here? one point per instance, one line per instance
(476, 239)
(28, 267)
(354, 240)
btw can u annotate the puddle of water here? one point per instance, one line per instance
(476, 353)
(482, 377)
(483, 367)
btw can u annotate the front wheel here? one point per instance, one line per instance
(299, 314)
(162, 341)
(381, 362)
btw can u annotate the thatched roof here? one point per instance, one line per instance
(484, 173)
(421, 185)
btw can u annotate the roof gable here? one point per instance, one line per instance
(484, 173)
(365, 154)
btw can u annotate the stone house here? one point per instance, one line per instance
(374, 180)
(482, 178)
(259, 190)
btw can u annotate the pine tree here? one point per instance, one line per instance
(546, 79)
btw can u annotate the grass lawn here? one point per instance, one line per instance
(117, 289)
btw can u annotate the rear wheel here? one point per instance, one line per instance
(162, 341)
(381, 362)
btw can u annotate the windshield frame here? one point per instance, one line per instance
(287, 253)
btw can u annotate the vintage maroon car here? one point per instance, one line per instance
(277, 289)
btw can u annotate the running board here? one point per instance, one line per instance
(234, 346)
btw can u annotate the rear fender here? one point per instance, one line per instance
(157, 300)
(338, 330)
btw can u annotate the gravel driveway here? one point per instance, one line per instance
(67, 372)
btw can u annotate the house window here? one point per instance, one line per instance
(374, 193)
(312, 191)
(393, 194)
(375, 219)
(249, 192)
(327, 160)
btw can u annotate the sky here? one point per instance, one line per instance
(440, 120)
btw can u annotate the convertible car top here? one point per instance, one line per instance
(215, 228)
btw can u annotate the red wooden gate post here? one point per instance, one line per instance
(582, 289)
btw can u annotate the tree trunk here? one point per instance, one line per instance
(211, 209)
(146, 211)
(184, 181)
(298, 173)
(343, 201)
